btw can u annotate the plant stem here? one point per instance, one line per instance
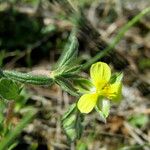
(28, 78)
(9, 114)
(117, 39)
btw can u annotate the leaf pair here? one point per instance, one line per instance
(67, 68)
(72, 123)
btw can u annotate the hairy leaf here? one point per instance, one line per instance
(66, 85)
(72, 123)
(70, 52)
(103, 108)
(9, 89)
(117, 77)
(83, 85)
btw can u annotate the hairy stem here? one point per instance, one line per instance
(29, 78)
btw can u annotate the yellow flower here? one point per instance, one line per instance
(104, 87)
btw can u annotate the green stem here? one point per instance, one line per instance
(12, 135)
(28, 78)
(117, 39)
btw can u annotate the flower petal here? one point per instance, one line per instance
(100, 74)
(87, 102)
(113, 91)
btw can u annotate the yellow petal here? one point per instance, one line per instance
(100, 74)
(113, 91)
(87, 102)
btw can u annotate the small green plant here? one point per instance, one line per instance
(66, 74)
(90, 93)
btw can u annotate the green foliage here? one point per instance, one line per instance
(7, 141)
(72, 123)
(21, 100)
(66, 85)
(2, 108)
(28, 78)
(144, 63)
(9, 89)
(66, 69)
(83, 85)
(103, 108)
(117, 77)
(81, 146)
(138, 120)
(32, 2)
(48, 29)
(71, 72)
(69, 55)
(65, 74)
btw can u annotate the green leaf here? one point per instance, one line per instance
(9, 89)
(138, 120)
(66, 85)
(82, 146)
(71, 72)
(70, 52)
(67, 71)
(67, 65)
(48, 29)
(2, 108)
(70, 110)
(83, 85)
(21, 100)
(12, 146)
(72, 123)
(117, 77)
(73, 69)
(103, 108)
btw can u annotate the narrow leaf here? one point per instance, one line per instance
(117, 77)
(70, 110)
(70, 52)
(66, 85)
(83, 85)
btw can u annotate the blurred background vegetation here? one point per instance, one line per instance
(33, 34)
